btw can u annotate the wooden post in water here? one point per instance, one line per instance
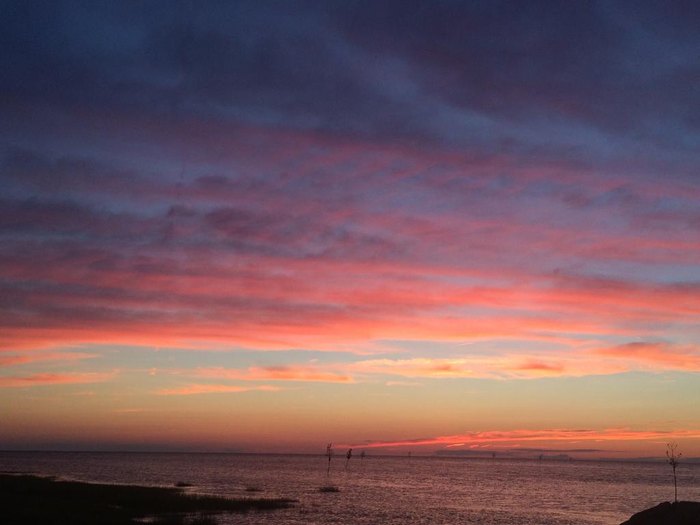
(329, 453)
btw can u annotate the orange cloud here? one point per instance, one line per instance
(275, 373)
(418, 367)
(54, 379)
(497, 366)
(36, 356)
(214, 389)
(658, 355)
(566, 361)
(540, 366)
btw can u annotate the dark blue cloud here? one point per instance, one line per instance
(131, 129)
(559, 78)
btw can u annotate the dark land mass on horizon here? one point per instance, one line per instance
(34, 500)
(678, 513)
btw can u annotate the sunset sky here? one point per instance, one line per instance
(265, 226)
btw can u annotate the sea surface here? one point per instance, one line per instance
(390, 490)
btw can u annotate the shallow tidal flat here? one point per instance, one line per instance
(42, 500)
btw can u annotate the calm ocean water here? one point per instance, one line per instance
(391, 490)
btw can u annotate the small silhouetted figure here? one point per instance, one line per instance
(493, 455)
(348, 455)
(329, 453)
(362, 455)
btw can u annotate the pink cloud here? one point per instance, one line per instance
(385, 246)
(327, 302)
(54, 379)
(514, 437)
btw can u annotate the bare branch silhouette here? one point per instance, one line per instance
(673, 456)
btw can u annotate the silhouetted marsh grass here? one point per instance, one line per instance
(329, 454)
(43, 500)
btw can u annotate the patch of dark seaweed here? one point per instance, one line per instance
(78, 503)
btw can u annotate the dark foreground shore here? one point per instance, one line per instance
(680, 513)
(38, 500)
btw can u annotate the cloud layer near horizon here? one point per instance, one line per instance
(351, 247)
(517, 438)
